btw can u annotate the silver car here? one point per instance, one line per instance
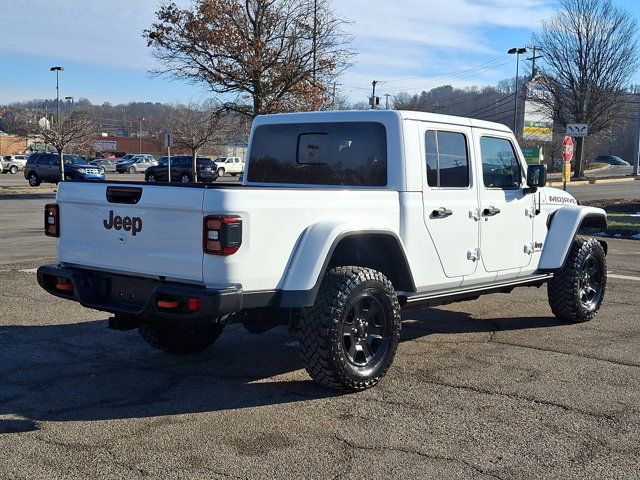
(13, 163)
(138, 163)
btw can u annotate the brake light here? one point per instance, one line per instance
(222, 235)
(52, 220)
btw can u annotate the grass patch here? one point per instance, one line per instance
(624, 220)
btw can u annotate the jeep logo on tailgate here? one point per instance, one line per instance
(132, 224)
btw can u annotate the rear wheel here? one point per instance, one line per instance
(185, 178)
(132, 170)
(180, 337)
(13, 169)
(576, 292)
(34, 179)
(350, 335)
(220, 171)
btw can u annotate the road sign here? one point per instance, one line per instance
(567, 149)
(168, 140)
(577, 129)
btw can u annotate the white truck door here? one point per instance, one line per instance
(450, 196)
(506, 228)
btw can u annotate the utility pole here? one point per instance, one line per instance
(386, 101)
(315, 35)
(333, 96)
(373, 95)
(124, 122)
(517, 52)
(636, 153)
(534, 57)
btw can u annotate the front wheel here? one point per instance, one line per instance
(350, 335)
(180, 337)
(132, 169)
(185, 178)
(576, 292)
(151, 178)
(220, 172)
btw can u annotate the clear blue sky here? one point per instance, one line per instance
(402, 44)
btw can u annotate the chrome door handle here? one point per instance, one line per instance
(442, 212)
(490, 211)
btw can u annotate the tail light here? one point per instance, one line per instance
(52, 220)
(222, 235)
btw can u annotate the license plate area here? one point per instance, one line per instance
(129, 291)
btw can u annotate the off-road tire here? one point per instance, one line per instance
(34, 179)
(13, 170)
(565, 289)
(321, 329)
(180, 337)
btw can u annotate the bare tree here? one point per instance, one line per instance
(74, 131)
(590, 54)
(283, 54)
(195, 127)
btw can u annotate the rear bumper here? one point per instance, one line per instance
(137, 296)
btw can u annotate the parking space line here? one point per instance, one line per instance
(623, 277)
(29, 270)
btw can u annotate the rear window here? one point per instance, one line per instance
(349, 153)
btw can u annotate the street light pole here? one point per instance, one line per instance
(140, 119)
(68, 99)
(517, 51)
(57, 70)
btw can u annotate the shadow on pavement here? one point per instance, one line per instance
(83, 371)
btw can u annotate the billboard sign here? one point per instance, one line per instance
(538, 122)
(106, 145)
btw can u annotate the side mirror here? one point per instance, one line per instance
(536, 176)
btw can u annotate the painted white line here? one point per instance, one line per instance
(623, 277)
(29, 270)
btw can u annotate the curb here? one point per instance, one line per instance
(591, 181)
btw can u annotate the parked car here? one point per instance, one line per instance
(45, 167)
(611, 160)
(14, 163)
(137, 163)
(107, 165)
(124, 158)
(231, 165)
(182, 170)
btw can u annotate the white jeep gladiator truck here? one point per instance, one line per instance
(342, 220)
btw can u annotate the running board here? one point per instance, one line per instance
(451, 296)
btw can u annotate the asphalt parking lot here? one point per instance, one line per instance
(494, 388)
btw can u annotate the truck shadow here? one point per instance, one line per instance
(82, 371)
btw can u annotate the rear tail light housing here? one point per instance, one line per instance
(52, 220)
(222, 234)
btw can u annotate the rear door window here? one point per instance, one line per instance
(349, 153)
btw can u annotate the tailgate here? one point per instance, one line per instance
(151, 230)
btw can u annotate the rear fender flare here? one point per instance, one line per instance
(313, 254)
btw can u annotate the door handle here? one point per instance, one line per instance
(442, 212)
(490, 211)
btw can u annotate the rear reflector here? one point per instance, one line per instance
(168, 304)
(63, 285)
(51, 220)
(222, 235)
